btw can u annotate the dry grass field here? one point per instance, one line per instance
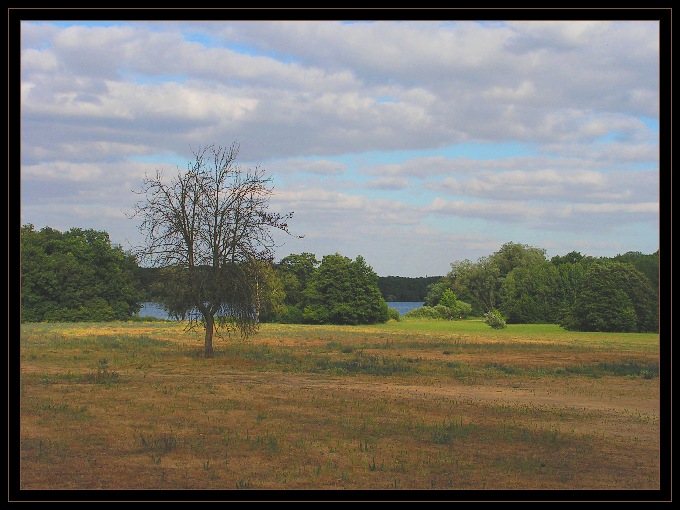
(399, 406)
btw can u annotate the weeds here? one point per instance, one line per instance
(370, 364)
(446, 433)
(372, 466)
(40, 449)
(158, 444)
(267, 442)
(312, 407)
(102, 375)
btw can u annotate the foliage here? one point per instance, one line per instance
(495, 319)
(401, 288)
(448, 299)
(76, 276)
(289, 314)
(482, 281)
(478, 280)
(525, 287)
(573, 257)
(569, 281)
(148, 277)
(435, 291)
(212, 226)
(423, 312)
(527, 294)
(394, 314)
(444, 312)
(342, 291)
(646, 264)
(269, 292)
(614, 297)
(462, 309)
(295, 272)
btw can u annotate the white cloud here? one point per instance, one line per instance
(647, 207)
(524, 90)
(60, 170)
(389, 183)
(317, 167)
(361, 124)
(39, 61)
(503, 211)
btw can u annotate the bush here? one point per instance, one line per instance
(394, 314)
(424, 312)
(462, 309)
(445, 312)
(290, 315)
(495, 319)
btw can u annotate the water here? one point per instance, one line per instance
(404, 306)
(155, 310)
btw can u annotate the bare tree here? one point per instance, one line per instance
(211, 228)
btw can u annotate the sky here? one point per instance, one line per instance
(414, 144)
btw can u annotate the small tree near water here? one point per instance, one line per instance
(211, 228)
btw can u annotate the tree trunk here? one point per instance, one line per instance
(209, 326)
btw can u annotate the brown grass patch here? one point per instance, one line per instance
(333, 408)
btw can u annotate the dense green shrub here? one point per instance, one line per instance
(495, 319)
(423, 312)
(444, 312)
(289, 315)
(462, 309)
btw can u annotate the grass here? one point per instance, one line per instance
(397, 406)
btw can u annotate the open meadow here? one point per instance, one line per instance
(397, 406)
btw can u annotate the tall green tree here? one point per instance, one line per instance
(646, 264)
(477, 281)
(402, 288)
(512, 255)
(436, 290)
(448, 299)
(295, 271)
(211, 223)
(528, 294)
(573, 257)
(76, 276)
(480, 283)
(615, 296)
(269, 292)
(342, 291)
(570, 278)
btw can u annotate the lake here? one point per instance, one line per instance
(156, 310)
(404, 306)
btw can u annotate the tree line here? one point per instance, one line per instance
(578, 292)
(392, 288)
(78, 275)
(208, 237)
(403, 288)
